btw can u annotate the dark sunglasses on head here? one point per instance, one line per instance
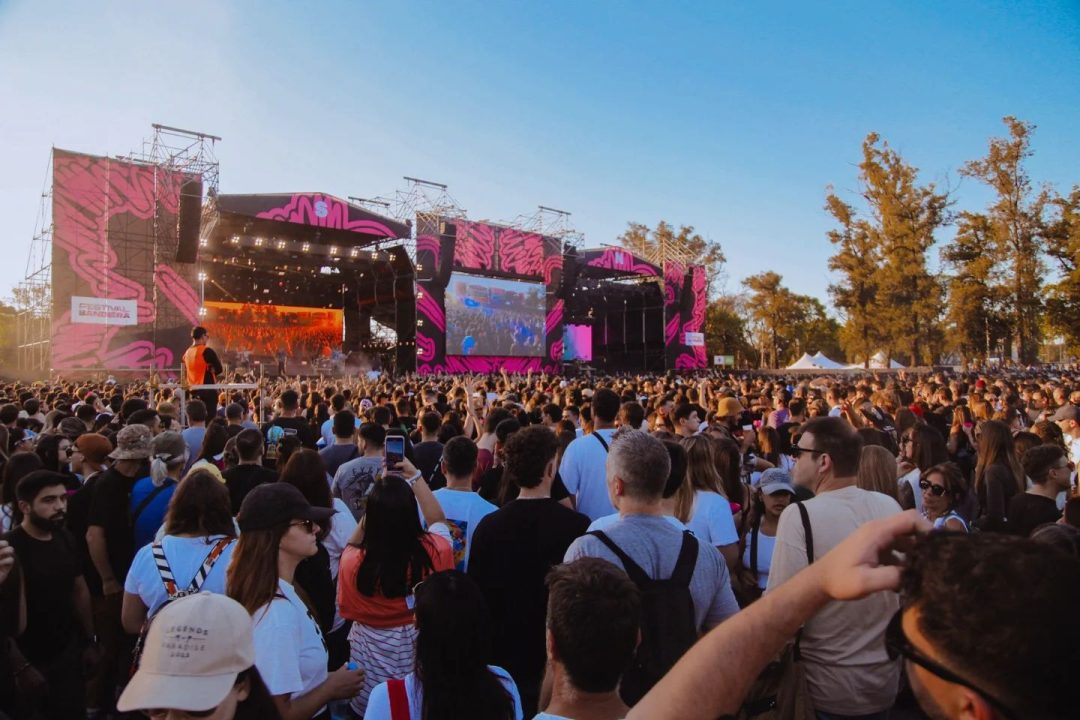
(935, 490)
(897, 645)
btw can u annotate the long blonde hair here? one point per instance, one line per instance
(877, 471)
(701, 474)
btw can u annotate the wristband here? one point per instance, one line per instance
(414, 478)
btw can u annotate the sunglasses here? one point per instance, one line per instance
(797, 450)
(905, 440)
(935, 490)
(309, 526)
(897, 645)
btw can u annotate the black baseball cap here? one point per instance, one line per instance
(272, 504)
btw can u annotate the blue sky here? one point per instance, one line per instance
(731, 118)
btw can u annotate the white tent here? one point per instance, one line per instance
(878, 362)
(827, 364)
(804, 363)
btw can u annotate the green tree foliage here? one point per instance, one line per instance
(903, 219)
(666, 243)
(726, 331)
(1063, 247)
(856, 296)
(786, 324)
(974, 321)
(1016, 225)
(8, 339)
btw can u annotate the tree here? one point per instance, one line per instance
(8, 338)
(973, 318)
(665, 243)
(726, 330)
(1063, 246)
(904, 217)
(1016, 226)
(856, 295)
(786, 323)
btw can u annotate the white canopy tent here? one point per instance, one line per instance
(825, 363)
(878, 361)
(817, 361)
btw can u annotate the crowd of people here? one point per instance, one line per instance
(664, 546)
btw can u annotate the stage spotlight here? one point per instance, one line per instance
(202, 312)
(202, 277)
(259, 241)
(419, 267)
(280, 244)
(203, 242)
(235, 239)
(354, 252)
(333, 249)
(305, 247)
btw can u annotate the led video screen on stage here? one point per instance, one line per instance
(489, 316)
(577, 343)
(302, 332)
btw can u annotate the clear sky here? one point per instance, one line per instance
(733, 118)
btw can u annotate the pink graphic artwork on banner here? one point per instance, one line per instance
(324, 211)
(624, 260)
(98, 205)
(521, 253)
(474, 246)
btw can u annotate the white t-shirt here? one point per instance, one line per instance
(765, 545)
(608, 520)
(378, 707)
(464, 511)
(290, 652)
(711, 520)
(912, 479)
(584, 473)
(342, 527)
(185, 556)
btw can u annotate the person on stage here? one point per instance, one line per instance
(203, 367)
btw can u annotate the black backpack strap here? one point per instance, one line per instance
(637, 575)
(684, 566)
(602, 440)
(146, 502)
(753, 548)
(808, 532)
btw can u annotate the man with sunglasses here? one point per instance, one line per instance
(972, 646)
(849, 674)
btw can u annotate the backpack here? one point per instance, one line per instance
(668, 626)
(171, 588)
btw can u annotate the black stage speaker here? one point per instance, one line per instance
(570, 274)
(447, 242)
(190, 216)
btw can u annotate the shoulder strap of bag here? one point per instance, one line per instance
(632, 569)
(754, 548)
(138, 511)
(164, 571)
(684, 566)
(399, 699)
(602, 440)
(208, 565)
(808, 532)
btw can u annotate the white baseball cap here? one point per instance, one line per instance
(194, 650)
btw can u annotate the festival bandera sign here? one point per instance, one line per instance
(695, 339)
(103, 311)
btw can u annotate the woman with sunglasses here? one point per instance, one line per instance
(921, 447)
(942, 489)
(387, 556)
(451, 678)
(278, 529)
(218, 682)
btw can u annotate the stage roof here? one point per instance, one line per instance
(315, 210)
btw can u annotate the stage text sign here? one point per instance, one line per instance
(695, 339)
(103, 311)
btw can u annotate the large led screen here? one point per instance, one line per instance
(304, 333)
(577, 343)
(489, 316)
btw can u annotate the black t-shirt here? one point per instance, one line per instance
(428, 455)
(213, 366)
(1028, 511)
(491, 487)
(511, 552)
(76, 522)
(110, 509)
(49, 569)
(240, 480)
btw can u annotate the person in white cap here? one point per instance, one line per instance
(198, 660)
(774, 493)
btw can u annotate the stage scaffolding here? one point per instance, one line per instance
(33, 296)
